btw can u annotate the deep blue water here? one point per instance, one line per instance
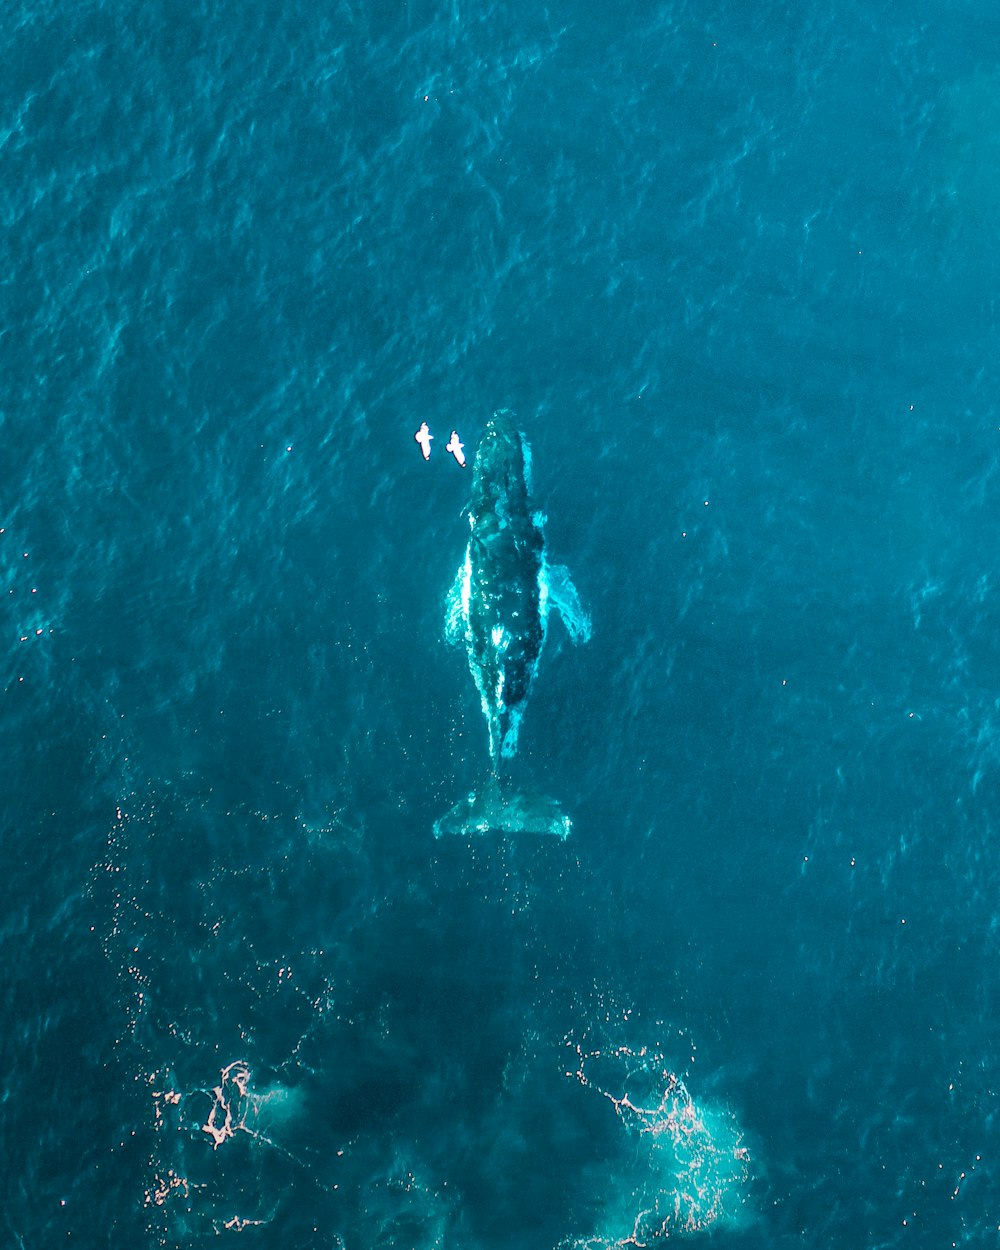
(735, 267)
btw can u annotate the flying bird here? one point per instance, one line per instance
(457, 448)
(423, 437)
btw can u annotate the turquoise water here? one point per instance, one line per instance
(735, 269)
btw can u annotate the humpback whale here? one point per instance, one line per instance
(498, 608)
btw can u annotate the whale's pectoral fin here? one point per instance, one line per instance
(454, 616)
(562, 595)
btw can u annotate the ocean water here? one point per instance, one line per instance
(735, 267)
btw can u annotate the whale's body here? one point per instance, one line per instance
(500, 602)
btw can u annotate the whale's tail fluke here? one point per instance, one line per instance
(495, 808)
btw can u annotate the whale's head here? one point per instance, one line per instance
(501, 473)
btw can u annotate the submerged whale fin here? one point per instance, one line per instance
(455, 606)
(562, 595)
(496, 810)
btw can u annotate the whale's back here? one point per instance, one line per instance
(505, 622)
(498, 607)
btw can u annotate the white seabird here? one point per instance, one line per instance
(457, 448)
(423, 437)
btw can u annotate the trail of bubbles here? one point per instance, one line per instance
(267, 1091)
(234, 1107)
(693, 1169)
(222, 1154)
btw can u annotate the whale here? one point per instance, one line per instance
(498, 610)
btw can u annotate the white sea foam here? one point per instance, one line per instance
(690, 1167)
